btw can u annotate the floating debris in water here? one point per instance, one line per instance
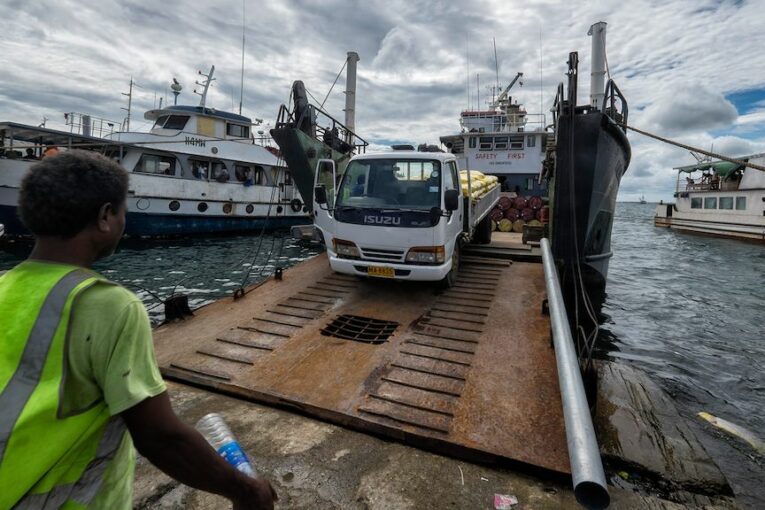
(735, 430)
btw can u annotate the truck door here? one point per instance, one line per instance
(326, 177)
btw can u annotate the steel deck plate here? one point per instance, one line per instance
(469, 371)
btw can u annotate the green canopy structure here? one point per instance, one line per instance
(721, 168)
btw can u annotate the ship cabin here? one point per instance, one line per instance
(721, 186)
(201, 121)
(505, 141)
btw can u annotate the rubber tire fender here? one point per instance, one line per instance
(296, 205)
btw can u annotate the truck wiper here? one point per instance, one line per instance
(398, 209)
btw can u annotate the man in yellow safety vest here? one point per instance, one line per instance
(79, 383)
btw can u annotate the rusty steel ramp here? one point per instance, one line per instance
(468, 371)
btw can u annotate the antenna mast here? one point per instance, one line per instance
(241, 85)
(130, 105)
(541, 93)
(206, 84)
(467, 59)
(496, 62)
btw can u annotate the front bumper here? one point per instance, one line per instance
(412, 272)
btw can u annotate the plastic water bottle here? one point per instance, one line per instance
(220, 437)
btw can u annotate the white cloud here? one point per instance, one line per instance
(690, 110)
(67, 55)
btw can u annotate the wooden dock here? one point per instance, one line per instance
(468, 371)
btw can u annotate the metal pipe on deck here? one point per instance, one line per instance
(584, 455)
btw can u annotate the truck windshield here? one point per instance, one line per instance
(391, 183)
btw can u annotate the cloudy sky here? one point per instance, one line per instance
(691, 70)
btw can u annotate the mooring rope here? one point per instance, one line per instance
(695, 149)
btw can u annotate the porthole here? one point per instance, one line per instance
(227, 208)
(202, 207)
(250, 208)
(142, 204)
(279, 209)
(174, 205)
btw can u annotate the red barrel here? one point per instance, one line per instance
(535, 202)
(543, 214)
(505, 203)
(496, 214)
(520, 203)
(512, 214)
(527, 214)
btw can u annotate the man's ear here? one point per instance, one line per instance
(104, 212)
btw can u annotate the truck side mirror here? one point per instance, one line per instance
(451, 199)
(320, 193)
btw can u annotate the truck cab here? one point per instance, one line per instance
(393, 215)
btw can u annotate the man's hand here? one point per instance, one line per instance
(181, 452)
(257, 494)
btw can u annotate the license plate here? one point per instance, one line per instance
(381, 272)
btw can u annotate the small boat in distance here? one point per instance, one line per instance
(197, 171)
(642, 199)
(718, 198)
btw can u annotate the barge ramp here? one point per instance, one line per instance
(468, 372)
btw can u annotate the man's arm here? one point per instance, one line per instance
(181, 452)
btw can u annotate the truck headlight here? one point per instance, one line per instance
(426, 255)
(345, 249)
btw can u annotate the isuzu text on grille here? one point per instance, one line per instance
(382, 220)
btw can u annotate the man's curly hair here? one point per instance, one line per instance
(62, 194)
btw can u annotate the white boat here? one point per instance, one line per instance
(718, 198)
(642, 199)
(504, 140)
(197, 171)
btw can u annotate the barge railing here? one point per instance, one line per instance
(584, 455)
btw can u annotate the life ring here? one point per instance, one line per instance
(296, 205)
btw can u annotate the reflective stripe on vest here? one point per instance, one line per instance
(90, 439)
(87, 486)
(24, 381)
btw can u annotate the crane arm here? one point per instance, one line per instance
(504, 93)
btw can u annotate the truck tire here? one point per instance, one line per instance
(450, 280)
(483, 231)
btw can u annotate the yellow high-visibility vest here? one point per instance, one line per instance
(47, 459)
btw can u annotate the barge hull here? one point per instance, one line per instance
(468, 372)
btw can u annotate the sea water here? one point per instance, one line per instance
(687, 309)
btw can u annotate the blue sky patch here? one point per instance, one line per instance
(746, 101)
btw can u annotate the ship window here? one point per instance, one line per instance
(500, 143)
(710, 203)
(237, 130)
(200, 169)
(516, 143)
(726, 202)
(471, 142)
(176, 122)
(287, 178)
(486, 143)
(696, 203)
(529, 183)
(741, 203)
(219, 172)
(260, 175)
(531, 141)
(151, 164)
(160, 121)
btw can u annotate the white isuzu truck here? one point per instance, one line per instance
(400, 215)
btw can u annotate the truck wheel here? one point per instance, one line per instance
(483, 231)
(451, 278)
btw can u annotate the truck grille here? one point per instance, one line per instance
(382, 255)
